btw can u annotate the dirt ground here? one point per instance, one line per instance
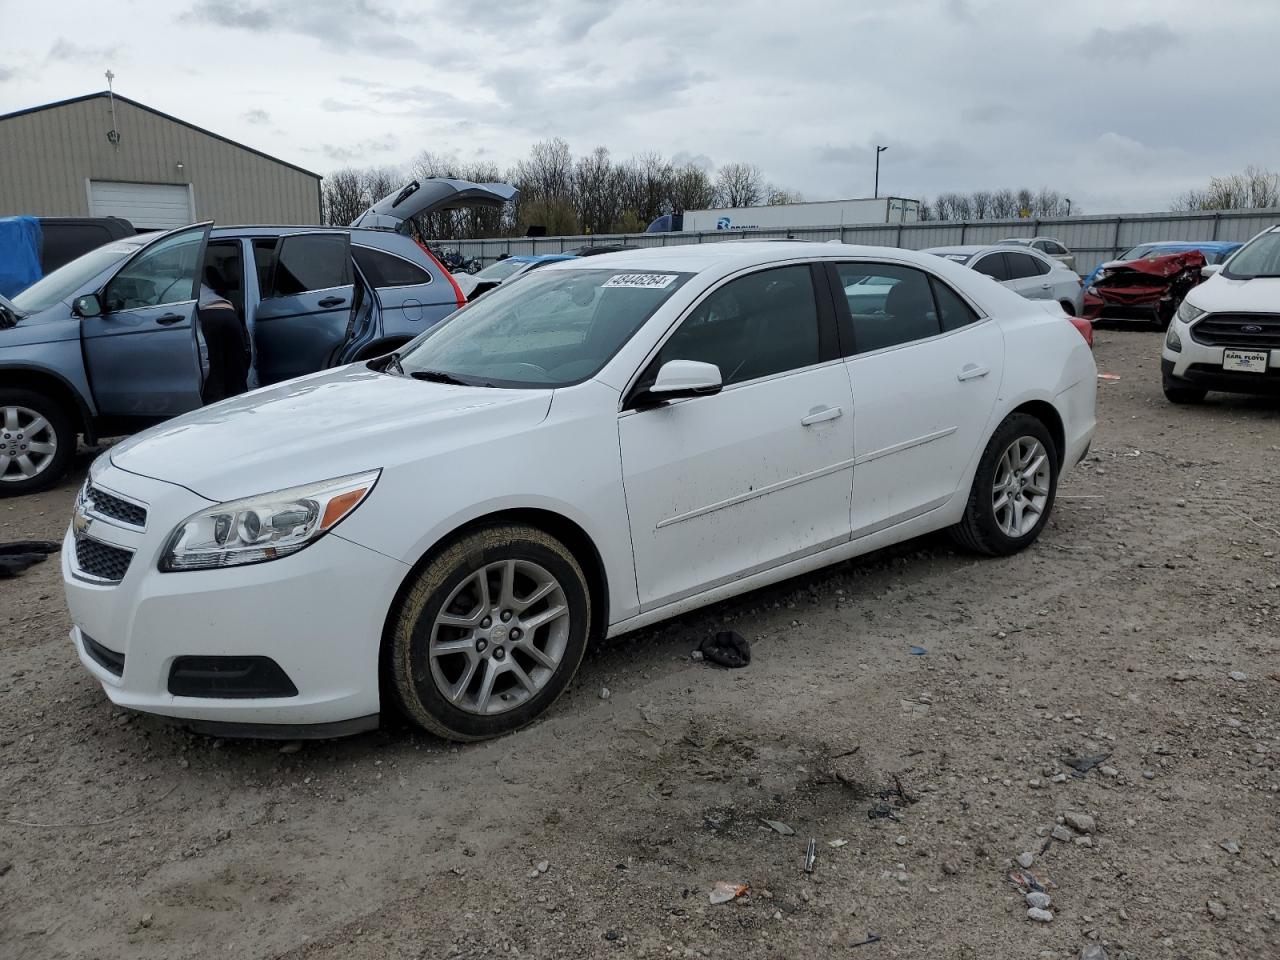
(600, 831)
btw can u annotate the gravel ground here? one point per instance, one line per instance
(1144, 626)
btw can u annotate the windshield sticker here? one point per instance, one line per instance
(643, 281)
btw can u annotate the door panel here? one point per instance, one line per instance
(306, 305)
(917, 424)
(141, 353)
(719, 487)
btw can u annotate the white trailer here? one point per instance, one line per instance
(820, 213)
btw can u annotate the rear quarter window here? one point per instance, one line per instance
(384, 269)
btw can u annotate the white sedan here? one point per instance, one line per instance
(606, 444)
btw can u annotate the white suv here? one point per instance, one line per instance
(1226, 333)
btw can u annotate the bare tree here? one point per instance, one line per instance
(739, 185)
(341, 193)
(1252, 189)
(691, 189)
(775, 195)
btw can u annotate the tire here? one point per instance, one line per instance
(983, 529)
(444, 692)
(1068, 307)
(54, 438)
(1179, 393)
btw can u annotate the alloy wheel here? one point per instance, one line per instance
(28, 443)
(1020, 493)
(500, 637)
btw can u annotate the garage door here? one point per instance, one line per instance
(148, 206)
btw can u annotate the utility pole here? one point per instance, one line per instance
(879, 150)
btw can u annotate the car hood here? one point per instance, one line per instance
(417, 197)
(1221, 294)
(322, 426)
(1168, 265)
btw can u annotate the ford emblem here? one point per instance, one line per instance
(1250, 328)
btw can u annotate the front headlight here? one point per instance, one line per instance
(266, 527)
(1189, 313)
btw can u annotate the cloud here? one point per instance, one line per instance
(1137, 43)
(256, 116)
(360, 151)
(989, 112)
(7, 73)
(341, 25)
(64, 50)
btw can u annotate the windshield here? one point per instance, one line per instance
(1260, 257)
(66, 280)
(552, 329)
(500, 270)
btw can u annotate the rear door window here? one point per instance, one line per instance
(889, 304)
(308, 262)
(994, 266)
(63, 242)
(1022, 266)
(384, 269)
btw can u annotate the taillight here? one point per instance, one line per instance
(457, 290)
(1084, 327)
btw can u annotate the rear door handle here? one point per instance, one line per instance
(821, 415)
(170, 318)
(971, 371)
(332, 301)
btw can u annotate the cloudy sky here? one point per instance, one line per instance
(1118, 105)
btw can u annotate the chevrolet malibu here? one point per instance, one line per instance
(608, 443)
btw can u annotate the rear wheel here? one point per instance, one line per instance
(490, 633)
(1013, 490)
(1068, 307)
(37, 441)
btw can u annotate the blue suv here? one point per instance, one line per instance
(151, 326)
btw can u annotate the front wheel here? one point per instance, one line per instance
(1013, 490)
(490, 633)
(37, 442)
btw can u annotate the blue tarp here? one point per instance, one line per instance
(19, 254)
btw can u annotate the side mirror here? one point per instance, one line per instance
(87, 306)
(1209, 269)
(682, 378)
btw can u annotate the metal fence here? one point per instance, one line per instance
(1093, 240)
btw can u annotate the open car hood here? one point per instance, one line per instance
(394, 211)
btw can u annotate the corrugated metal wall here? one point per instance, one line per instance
(47, 156)
(1092, 239)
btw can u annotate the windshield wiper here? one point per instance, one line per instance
(439, 376)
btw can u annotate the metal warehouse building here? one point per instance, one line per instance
(102, 155)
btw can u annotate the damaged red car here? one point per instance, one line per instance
(1150, 288)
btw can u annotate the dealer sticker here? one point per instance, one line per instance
(653, 281)
(1245, 361)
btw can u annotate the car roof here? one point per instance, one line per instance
(695, 258)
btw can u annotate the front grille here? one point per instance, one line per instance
(1256, 331)
(117, 509)
(102, 560)
(108, 660)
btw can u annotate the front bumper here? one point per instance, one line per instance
(318, 614)
(1199, 365)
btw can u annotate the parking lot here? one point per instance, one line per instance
(1143, 626)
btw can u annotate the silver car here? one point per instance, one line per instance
(1023, 269)
(1050, 246)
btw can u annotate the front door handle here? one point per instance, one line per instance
(971, 371)
(821, 415)
(333, 301)
(170, 318)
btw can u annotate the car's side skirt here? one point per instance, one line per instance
(936, 519)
